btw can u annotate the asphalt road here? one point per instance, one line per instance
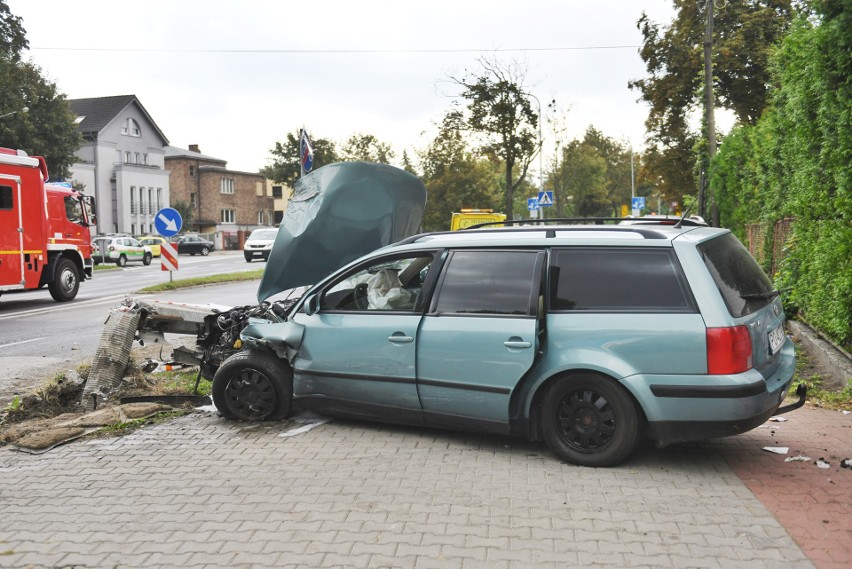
(40, 337)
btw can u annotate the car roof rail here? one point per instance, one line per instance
(563, 220)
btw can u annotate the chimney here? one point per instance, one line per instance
(194, 148)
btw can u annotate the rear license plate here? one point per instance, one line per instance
(776, 339)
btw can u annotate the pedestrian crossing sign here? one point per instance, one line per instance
(545, 199)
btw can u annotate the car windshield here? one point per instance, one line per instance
(263, 234)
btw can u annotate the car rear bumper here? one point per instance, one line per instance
(690, 408)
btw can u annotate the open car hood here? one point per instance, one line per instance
(338, 213)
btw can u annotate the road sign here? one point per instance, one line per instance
(168, 257)
(638, 202)
(168, 222)
(532, 204)
(545, 199)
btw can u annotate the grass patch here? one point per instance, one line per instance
(817, 394)
(199, 281)
(119, 429)
(106, 267)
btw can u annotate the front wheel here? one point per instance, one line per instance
(66, 281)
(146, 260)
(589, 420)
(253, 386)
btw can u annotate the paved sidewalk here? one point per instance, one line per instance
(203, 492)
(814, 504)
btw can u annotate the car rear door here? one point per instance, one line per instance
(480, 335)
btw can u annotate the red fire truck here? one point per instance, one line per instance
(44, 229)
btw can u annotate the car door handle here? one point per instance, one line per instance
(516, 343)
(400, 338)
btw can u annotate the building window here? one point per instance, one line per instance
(141, 200)
(131, 128)
(150, 200)
(277, 192)
(226, 186)
(138, 157)
(227, 215)
(193, 202)
(127, 157)
(132, 199)
(191, 171)
(145, 159)
(133, 229)
(260, 217)
(159, 199)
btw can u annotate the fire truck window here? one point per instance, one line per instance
(5, 197)
(73, 210)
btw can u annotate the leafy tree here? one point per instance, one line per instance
(367, 148)
(187, 213)
(286, 166)
(455, 178)
(13, 38)
(37, 117)
(499, 109)
(745, 33)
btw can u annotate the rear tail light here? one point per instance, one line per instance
(728, 350)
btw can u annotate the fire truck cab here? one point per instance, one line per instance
(44, 229)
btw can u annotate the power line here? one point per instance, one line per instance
(332, 51)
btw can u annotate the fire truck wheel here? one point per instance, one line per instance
(146, 260)
(122, 261)
(66, 282)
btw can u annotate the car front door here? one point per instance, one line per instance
(480, 336)
(357, 354)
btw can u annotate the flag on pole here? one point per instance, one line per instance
(306, 152)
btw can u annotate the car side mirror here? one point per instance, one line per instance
(311, 305)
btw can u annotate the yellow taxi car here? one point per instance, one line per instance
(153, 241)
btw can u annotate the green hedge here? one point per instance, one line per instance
(797, 162)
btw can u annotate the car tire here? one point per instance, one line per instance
(66, 281)
(589, 420)
(248, 258)
(204, 251)
(146, 260)
(253, 386)
(122, 261)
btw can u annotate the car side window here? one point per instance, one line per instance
(388, 285)
(490, 283)
(609, 279)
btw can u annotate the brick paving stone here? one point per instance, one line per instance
(199, 491)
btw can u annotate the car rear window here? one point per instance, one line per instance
(737, 275)
(617, 279)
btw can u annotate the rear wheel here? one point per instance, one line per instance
(589, 420)
(122, 261)
(253, 386)
(66, 281)
(204, 251)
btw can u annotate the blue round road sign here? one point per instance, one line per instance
(168, 222)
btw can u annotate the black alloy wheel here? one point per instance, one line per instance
(590, 420)
(253, 386)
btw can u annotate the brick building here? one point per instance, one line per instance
(226, 203)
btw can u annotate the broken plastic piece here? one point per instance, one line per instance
(846, 463)
(777, 450)
(823, 464)
(778, 419)
(799, 458)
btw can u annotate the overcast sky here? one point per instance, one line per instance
(234, 77)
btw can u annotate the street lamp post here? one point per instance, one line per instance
(22, 110)
(540, 150)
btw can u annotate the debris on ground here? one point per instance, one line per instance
(822, 463)
(800, 458)
(778, 419)
(777, 450)
(846, 463)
